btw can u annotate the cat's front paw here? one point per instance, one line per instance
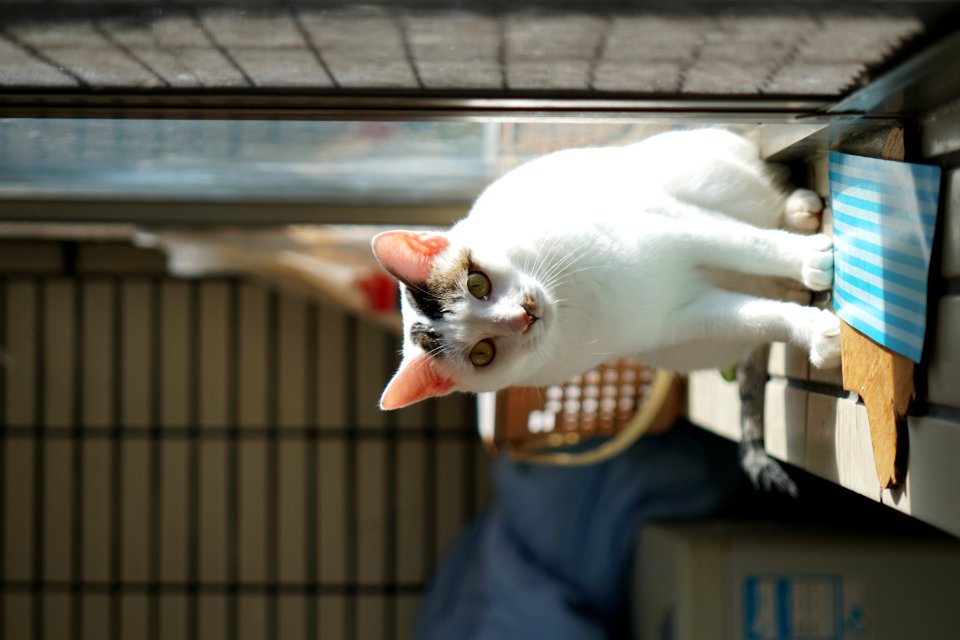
(801, 211)
(816, 273)
(825, 341)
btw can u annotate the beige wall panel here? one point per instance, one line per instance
(213, 511)
(173, 511)
(253, 514)
(253, 617)
(291, 526)
(407, 608)
(135, 507)
(213, 357)
(133, 616)
(212, 617)
(96, 616)
(20, 344)
(331, 383)
(372, 374)
(411, 504)
(58, 510)
(97, 509)
(175, 378)
(98, 298)
(449, 494)
(137, 343)
(20, 500)
(57, 609)
(371, 511)
(290, 376)
(253, 356)
(332, 499)
(17, 618)
(291, 617)
(331, 618)
(59, 325)
(370, 617)
(173, 618)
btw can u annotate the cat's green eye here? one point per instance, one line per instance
(479, 285)
(482, 353)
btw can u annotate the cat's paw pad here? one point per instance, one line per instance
(816, 273)
(766, 473)
(801, 211)
(825, 341)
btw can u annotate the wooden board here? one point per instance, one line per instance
(884, 380)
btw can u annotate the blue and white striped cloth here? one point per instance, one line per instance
(884, 216)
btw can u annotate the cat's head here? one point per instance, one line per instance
(472, 321)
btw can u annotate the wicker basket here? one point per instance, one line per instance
(616, 402)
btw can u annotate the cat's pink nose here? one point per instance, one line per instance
(527, 318)
(519, 323)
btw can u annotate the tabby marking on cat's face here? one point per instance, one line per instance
(440, 290)
(426, 338)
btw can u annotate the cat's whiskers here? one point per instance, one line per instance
(526, 263)
(563, 267)
(571, 260)
(541, 358)
(566, 274)
(546, 265)
(565, 261)
(560, 267)
(541, 261)
(561, 279)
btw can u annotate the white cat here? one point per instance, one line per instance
(663, 251)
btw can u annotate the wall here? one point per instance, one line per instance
(187, 459)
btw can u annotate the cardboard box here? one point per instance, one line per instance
(757, 581)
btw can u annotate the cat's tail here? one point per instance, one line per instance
(764, 472)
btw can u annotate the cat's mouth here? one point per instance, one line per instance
(532, 321)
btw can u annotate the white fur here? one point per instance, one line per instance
(622, 248)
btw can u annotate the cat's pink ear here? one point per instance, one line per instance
(417, 379)
(409, 255)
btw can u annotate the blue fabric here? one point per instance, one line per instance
(552, 556)
(884, 217)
